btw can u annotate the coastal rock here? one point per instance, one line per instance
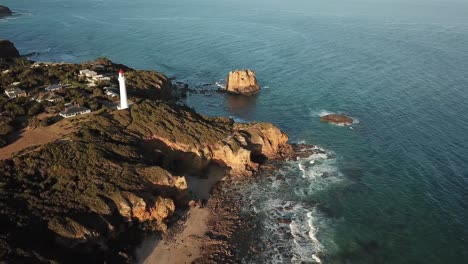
(131, 206)
(190, 143)
(5, 11)
(118, 173)
(8, 49)
(337, 119)
(242, 82)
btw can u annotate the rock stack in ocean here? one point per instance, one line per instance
(337, 119)
(242, 82)
(5, 11)
(8, 49)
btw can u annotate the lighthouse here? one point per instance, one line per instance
(123, 91)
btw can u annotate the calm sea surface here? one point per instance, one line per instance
(391, 189)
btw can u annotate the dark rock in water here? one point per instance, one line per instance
(5, 11)
(8, 49)
(243, 82)
(337, 119)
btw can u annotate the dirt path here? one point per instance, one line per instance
(36, 137)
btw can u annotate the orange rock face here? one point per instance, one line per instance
(337, 119)
(242, 82)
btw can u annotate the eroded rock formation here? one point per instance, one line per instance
(192, 143)
(5, 11)
(8, 49)
(119, 174)
(242, 82)
(337, 119)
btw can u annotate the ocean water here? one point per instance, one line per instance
(393, 189)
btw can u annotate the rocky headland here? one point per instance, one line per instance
(8, 49)
(5, 11)
(95, 191)
(242, 82)
(337, 119)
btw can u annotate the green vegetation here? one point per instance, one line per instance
(65, 198)
(33, 77)
(180, 124)
(69, 189)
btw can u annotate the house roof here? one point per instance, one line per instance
(14, 91)
(88, 72)
(54, 86)
(73, 110)
(48, 96)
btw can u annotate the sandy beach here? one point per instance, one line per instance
(186, 245)
(185, 241)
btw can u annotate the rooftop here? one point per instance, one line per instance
(74, 110)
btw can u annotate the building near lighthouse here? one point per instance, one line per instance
(123, 91)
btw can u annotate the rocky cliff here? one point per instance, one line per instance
(8, 49)
(192, 142)
(90, 197)
(242, 82)
(5, 11)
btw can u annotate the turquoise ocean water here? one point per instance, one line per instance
(393, 189)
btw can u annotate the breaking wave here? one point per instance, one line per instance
(284, 205)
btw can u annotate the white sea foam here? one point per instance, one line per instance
(291, 223)
(321, 113)
(220, 85)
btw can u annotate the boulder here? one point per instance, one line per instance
(242, 82)
(8, 49)
(337, 119)
(5, 11)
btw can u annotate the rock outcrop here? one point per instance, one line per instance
(242, 82)
(337, 119)
(5, 11)
(191, 142)
(119, 174)
(8, 49)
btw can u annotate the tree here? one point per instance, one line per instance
(35, 109)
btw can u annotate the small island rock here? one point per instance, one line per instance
(337, 119)
(242, 82)
(5, 11)
(8, 49)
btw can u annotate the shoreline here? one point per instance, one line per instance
(213, 233)
(186, 239)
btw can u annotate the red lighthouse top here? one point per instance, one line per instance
(121, 71)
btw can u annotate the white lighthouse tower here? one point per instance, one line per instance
(123, 91)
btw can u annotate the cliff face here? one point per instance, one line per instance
(5, 11)
(242, 82)
(194, 142)
(8, 49)
(118, 175)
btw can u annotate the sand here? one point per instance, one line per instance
(184, 244)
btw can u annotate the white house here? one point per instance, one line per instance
(74, 111)
(53, 87)
(15, 92)
(50, 97)
(100, 77)
(87, 73)
(111, 91)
